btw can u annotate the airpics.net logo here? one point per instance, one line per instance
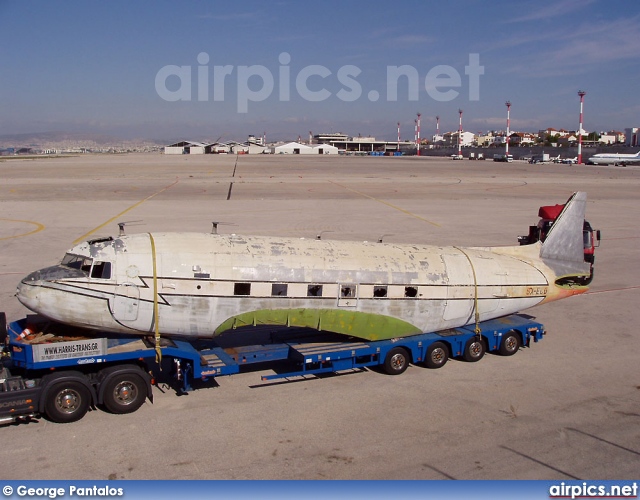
(257, 83)
(587, 490)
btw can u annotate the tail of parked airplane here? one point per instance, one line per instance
(563, 250)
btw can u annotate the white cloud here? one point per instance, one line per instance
(577, 51)
(411, 39)
(539, 11)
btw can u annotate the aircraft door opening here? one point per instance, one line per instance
(126, 302)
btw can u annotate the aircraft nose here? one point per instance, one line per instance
(27, 291)
(32, 287)
(31, 279)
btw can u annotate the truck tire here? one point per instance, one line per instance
(397, 361)
(67, 401)
(510, 343)
(125, 393)
(437, 355)
(3, 327)
(474, 350)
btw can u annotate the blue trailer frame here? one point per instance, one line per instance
(107, 369)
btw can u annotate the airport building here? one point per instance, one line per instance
(199, 148)
(187, 147)
(296, 148)
(632, 136)
(348, 144)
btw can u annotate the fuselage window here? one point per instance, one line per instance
(279, 289)
(379, 291)
(348, 291)
(101, 270)
(242, 289)
(410, 291)
(314, 291)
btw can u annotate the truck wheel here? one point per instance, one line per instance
(67, 401)
(397, 361)
(124, 393)
(510, 343)
(474, 350)
(3, 327)
(437, 355)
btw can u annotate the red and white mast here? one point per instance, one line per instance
(506, 149)
(460, 134)
(418, 134)
(581, 93)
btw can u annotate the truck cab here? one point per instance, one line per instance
(548, 215)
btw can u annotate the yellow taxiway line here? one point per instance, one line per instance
(39, 227)
(110, 221)
(386, 203)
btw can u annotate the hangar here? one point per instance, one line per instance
(199, 148)
(295, 148)
(325, 149)
(187, 147)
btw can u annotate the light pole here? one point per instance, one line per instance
(460, 134)
(508, 104)
(581, 93)
(418, 134)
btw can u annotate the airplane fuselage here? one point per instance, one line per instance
(614, 159)
(205, 284)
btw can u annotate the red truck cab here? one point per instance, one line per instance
(548, 215)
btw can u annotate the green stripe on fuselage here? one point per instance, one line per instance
(353, 323)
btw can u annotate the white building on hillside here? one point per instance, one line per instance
(451, 138)
(607, 138)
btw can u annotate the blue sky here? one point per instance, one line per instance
(122, 68)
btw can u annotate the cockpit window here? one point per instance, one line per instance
(97, 269)
(77, 262)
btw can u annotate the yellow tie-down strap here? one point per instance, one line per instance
(478, 330)
(156, 318)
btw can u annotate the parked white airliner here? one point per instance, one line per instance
(614, 159)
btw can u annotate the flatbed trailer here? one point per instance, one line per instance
(61, 372)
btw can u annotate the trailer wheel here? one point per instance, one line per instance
(510, 343)
(124, 393)
(397, 361)
(437, 355)
(67, 401)
(474, 350)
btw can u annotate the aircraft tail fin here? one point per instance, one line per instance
(563, 249)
